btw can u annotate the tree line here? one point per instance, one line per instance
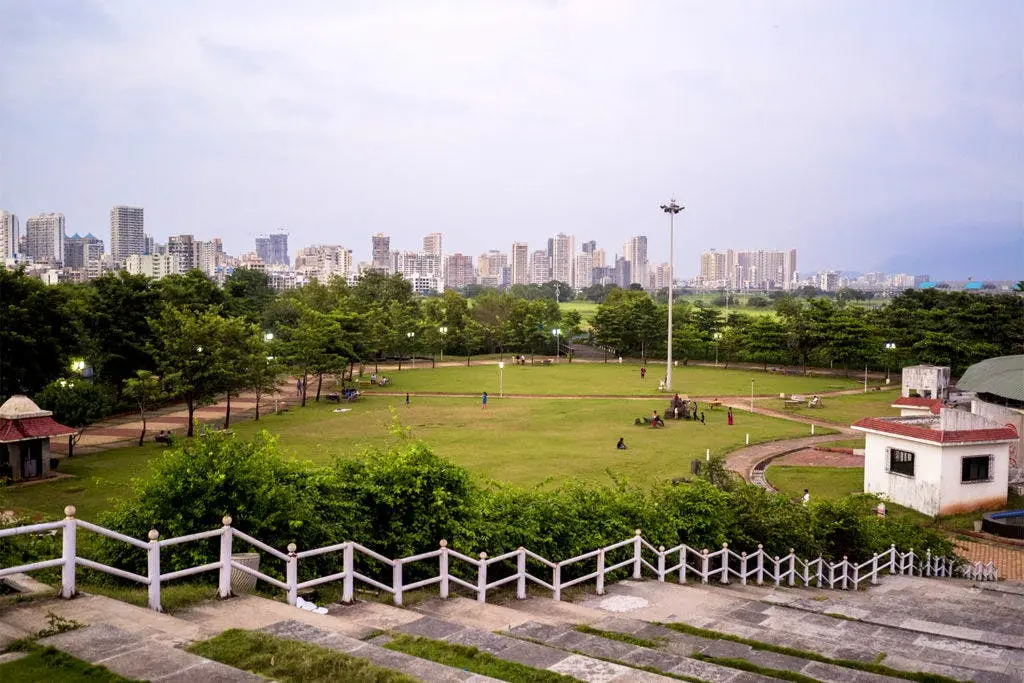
(144, 341)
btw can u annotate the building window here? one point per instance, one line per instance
(901, 462)
(976, 468)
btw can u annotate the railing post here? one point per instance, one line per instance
(704, 566)
(743, 568)
(396, 582)
(556, 581)
(348, 565)
(226, 536)
(442, 565)
(928, 562)
(68, 546)
(600, 571)
(291, 578)
(725, 563)
(775, 570)
(481, 579)
(661, 563)
(682, 564)
(760, 564)
(874, 570)
(792, 567)
(892, 559)
(153, 570)
(637, 549)
(846, 567)
(521, 574)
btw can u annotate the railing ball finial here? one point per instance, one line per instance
(638, 532)
(70, 511)
(844, 558)
(153, 534)
(743, 554)
(292, 548)
(483, 556)
(725, 546)
(760, 546)
(444, 543)
(790, 551)
(226, 520)
(705, 551)
(661, 548)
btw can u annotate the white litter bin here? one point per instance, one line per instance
(243, 582)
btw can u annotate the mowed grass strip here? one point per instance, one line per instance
(47, 665)
(518, 441)
(824, 483)
(471, 659)
(289, 661)
(600, 379)
(844, 410)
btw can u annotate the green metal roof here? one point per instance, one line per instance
(1002, 376)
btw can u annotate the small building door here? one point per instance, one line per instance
(31, 459)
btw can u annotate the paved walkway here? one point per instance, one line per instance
(1008, 559)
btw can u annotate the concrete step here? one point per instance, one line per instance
(839, 638)
(136, 656)
(527, 653)
(420, 669)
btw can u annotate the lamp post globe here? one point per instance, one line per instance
(671, 209)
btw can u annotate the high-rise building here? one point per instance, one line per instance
(127, 236)
(520, 263)
(589, 247)
(458, 271)
(183, 246)
(789, 271)
(599, 258)
(149, 243)
(540, 267)
(44, 237)
(76, 251)
(635, 251)
(381, 254)
(324, 262)
(563, 248)
(714, 268)
(432, 244)
(491, 269)
(9, 235)
(828, 280)
(659, 278)
(273, 249)
(583, 270)
(622, 275)
(154, 266)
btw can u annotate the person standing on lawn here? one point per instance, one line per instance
(484, 401)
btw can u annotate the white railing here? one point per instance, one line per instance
(680, 563)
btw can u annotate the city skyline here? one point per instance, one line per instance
(873, 136)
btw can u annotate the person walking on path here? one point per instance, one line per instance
(298, 387)
(484, 401)
(807, 497)
(643, 372)
(730, 416)
(702, 417)
(407, 398)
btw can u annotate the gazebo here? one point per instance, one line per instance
(25, 433)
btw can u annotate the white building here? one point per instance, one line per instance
(911, 406)
(44, 237)
(432, 244)
(635, 251)
(127, 232)
(943, 464)
(563, 248)
(9, 235)
(540, 267)
(583, 271)
(156, 266)
(926, 381)
(520, 263)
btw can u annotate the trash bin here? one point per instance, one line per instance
(977, 524)
(242, 582)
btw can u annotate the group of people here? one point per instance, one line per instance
(379, 381)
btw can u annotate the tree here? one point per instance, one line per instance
(145, 390)
(233, 356)
(308, 343)
(247, 294)
(261, 370)
(188, 352)
(765, 341)
(118, 326)
(193, 291)
(76, 403)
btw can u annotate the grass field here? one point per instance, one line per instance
(825, 483)
(521, 441)
(603, 379)
(843, 410)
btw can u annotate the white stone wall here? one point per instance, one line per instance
(931, 381)
(1006, 416)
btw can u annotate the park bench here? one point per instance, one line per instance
(333, 397)
(714, 404)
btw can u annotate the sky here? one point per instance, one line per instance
(868, 134)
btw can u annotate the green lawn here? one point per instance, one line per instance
(823, 482)
(46, 665)
(603, 379)
(522, 441)
(843, 410)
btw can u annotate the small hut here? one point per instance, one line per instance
(25, 433)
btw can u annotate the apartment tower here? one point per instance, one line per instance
(127, 237)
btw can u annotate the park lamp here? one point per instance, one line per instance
(268, 337)
(78, 365)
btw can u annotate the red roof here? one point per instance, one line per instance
(879, 424)
(32, 428)
(933, 404)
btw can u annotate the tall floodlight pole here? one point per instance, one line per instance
(671, 209)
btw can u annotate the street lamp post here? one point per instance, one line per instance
(671, 209)
(558, 333)
(501, 378)
(410, 336)
(443, 330)
(717, 336)
(889, 348)
(751, 394)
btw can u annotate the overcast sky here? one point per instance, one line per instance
(868, 134)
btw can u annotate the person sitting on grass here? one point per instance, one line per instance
(621, 445)
(656, 421)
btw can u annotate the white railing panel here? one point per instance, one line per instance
(31, 567)
(420, 557)
(584, 556)
(373, 582)
(375, 555)
(189, 538)
(259, 575)
(190, 571)
(464, 558)
(581, 579)
(421, 584)
(102, 531)
(82, 562)
(542, 560)
(502, 582)
(321, 580)
(31, 529)
(501, 558)
(323, 551)
(259, 544)
(539, 582)
(465, 584)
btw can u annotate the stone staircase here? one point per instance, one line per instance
(910, 624)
